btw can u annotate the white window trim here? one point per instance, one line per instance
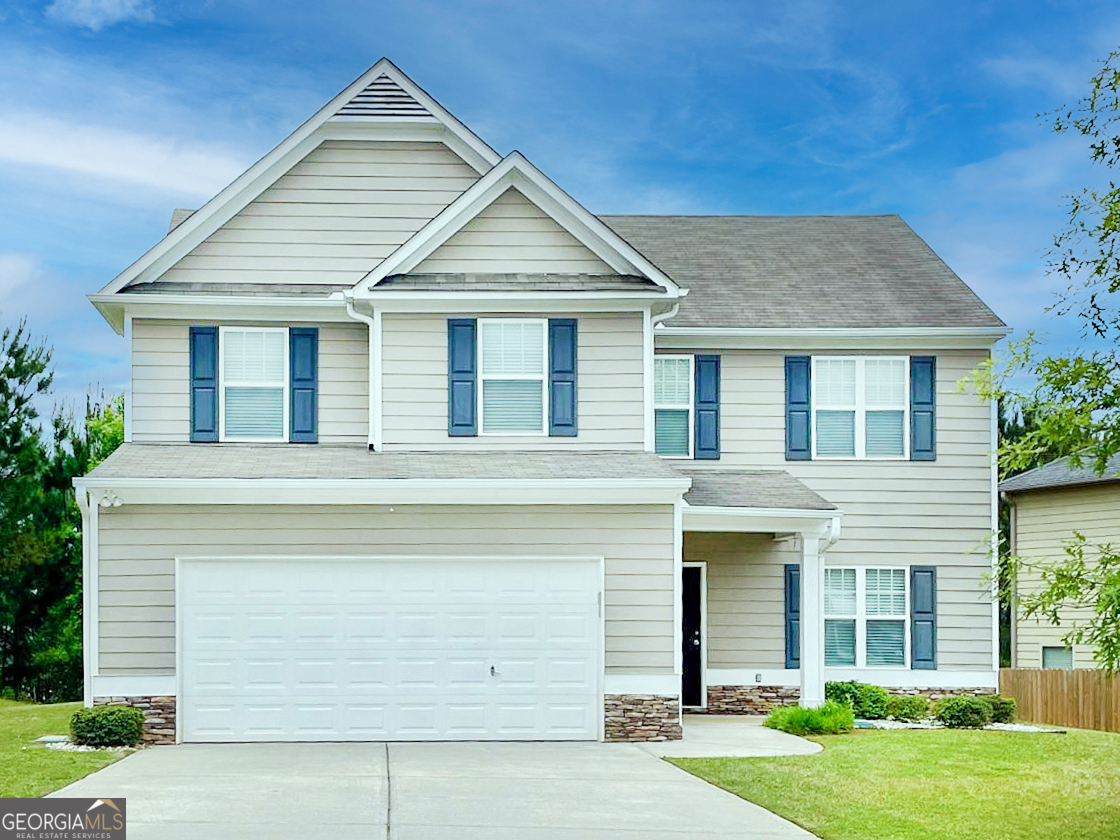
(222, 384)
(861, 409)
(861, 617)
(676, 406)
(519, 377)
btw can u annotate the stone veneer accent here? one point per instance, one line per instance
(159, 715)
(642, 717)
(760, 699)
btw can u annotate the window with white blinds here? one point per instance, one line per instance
(254, 383)
(860, 407)
(513, 361)
(866, 617)
(1058, 657)
(672, 406)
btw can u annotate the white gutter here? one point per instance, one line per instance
(839, 332)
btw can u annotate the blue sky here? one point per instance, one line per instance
(114, 112)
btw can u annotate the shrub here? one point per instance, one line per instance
(107, 726)
(1003, 708)
(867, 701)
(908, 708)
(964, 712)
(830, 718)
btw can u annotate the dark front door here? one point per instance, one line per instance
(692, 682)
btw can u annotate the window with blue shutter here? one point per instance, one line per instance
(303, 366)
(707, 408)
(793, 615)
(204, 384)
(798, 409)
(562, 400)
(462, 377)
(923, 617)
(923, 408)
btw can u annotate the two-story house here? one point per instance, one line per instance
(419, 448)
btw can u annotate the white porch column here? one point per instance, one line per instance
(812, 621)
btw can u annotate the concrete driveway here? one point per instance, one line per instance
(439, 791)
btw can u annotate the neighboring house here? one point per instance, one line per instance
(1048, 504)
(419, 448)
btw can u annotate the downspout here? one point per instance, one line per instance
(373, 439)
(665, 316)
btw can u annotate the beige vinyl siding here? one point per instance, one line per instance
(896, 513)
(333, 217)
(746, 597)
(138, 545)
(414, 386)
(513, 235)
(161, 382)
(1044, 523)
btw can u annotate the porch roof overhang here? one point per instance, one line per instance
(757, 501)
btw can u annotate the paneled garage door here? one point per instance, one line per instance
(328, 649)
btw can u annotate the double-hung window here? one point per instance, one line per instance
(513, 376)
(866, 617)
(672, 406)
(254, 383)
(861, 407)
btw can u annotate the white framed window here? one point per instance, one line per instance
(1057, 657)
(253, 384)
(513, 376)
(861, 407)
(672, 406)
(866, 617)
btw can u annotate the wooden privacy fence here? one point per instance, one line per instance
(1083, 699)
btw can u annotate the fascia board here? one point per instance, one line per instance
(909, 338)
(759, 520)
(235, 491)
(281, 158)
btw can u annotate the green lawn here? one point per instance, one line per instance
(937, 785)
(30, 769)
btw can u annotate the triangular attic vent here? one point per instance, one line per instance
(383, 98)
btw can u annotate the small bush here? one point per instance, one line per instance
(1003, 708)
(867, 701)
(107, 726)
(831, 718)
(964, 712)
(908, 708)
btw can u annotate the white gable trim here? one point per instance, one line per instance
(297, 145)
(516, 171)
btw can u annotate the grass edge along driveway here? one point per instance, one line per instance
(29, 769)
(937, 785)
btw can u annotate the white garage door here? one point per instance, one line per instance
(322, 649)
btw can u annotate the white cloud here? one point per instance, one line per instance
(16, 269)
(97, 14)
(135, 159)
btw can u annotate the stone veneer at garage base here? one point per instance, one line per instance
(642, 717)
(159, 715)
(629, 717)
(760, 699)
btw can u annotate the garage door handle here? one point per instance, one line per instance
(493, 671)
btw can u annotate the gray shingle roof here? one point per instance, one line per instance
(166, 287)
(237, 460)
(804, 271)
(1060, 473)
(178, 216)
(751, 489)
(519, 283)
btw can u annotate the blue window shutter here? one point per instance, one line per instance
(793, 615)
(923, 617)
(462, 377)
(707, 408)
(923, 408)
(204, 384)
(303, 372)
(563, 345)
(798, 409)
